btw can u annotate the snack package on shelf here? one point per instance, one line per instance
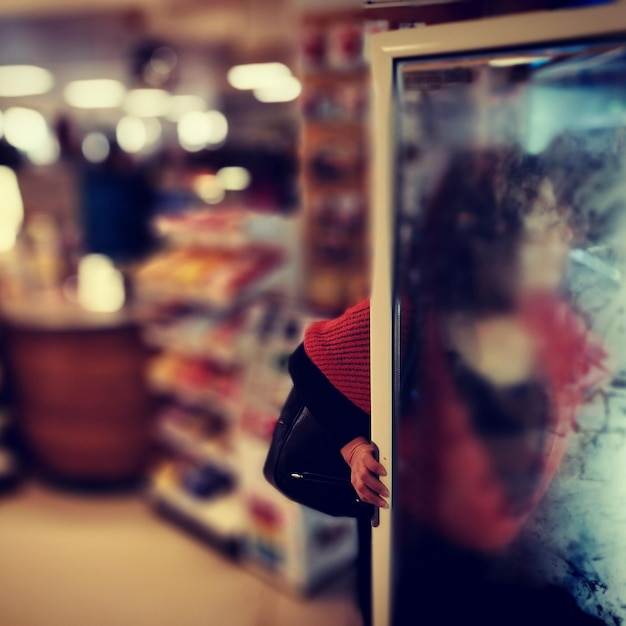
(338, 47)
(195, 434)
(203, 498)
(335, 103)
(197, 382)
(199, 482)
(217, 279)
(221, 228)
(217, 228)
(194, 334)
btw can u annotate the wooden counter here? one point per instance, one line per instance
(79, 385)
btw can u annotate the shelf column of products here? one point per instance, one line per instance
(334, 151)
(219, 312)
(294, 547)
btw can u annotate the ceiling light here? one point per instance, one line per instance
(189, 131)
(100, 285)
(24, 80)
(154, 130)
(147, 102)
(281, 90)
(47, 152)
(95, 147)
(256, 74)
(131, 134)
(217, 127)
(234, 178)
(25, 129)
(95, 94)
(197, 130)
(208, 187)
(179, 105)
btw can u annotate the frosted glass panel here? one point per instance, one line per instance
(510, 411)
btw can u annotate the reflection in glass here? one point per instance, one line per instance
(510, 412)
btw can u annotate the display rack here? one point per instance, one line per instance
(220, 312)
(294, 547)
(198, 296)
(335, 154)
(334, 141)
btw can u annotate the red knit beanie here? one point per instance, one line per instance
(340, 348)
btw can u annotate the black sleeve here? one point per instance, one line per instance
(342, 418)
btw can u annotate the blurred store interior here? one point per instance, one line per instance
(183, 188)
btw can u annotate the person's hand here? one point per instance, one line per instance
(364, 472)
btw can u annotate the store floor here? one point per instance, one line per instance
(71, 560)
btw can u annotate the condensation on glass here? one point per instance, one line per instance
(510, 401)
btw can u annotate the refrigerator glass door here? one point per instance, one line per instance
(499, 311)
